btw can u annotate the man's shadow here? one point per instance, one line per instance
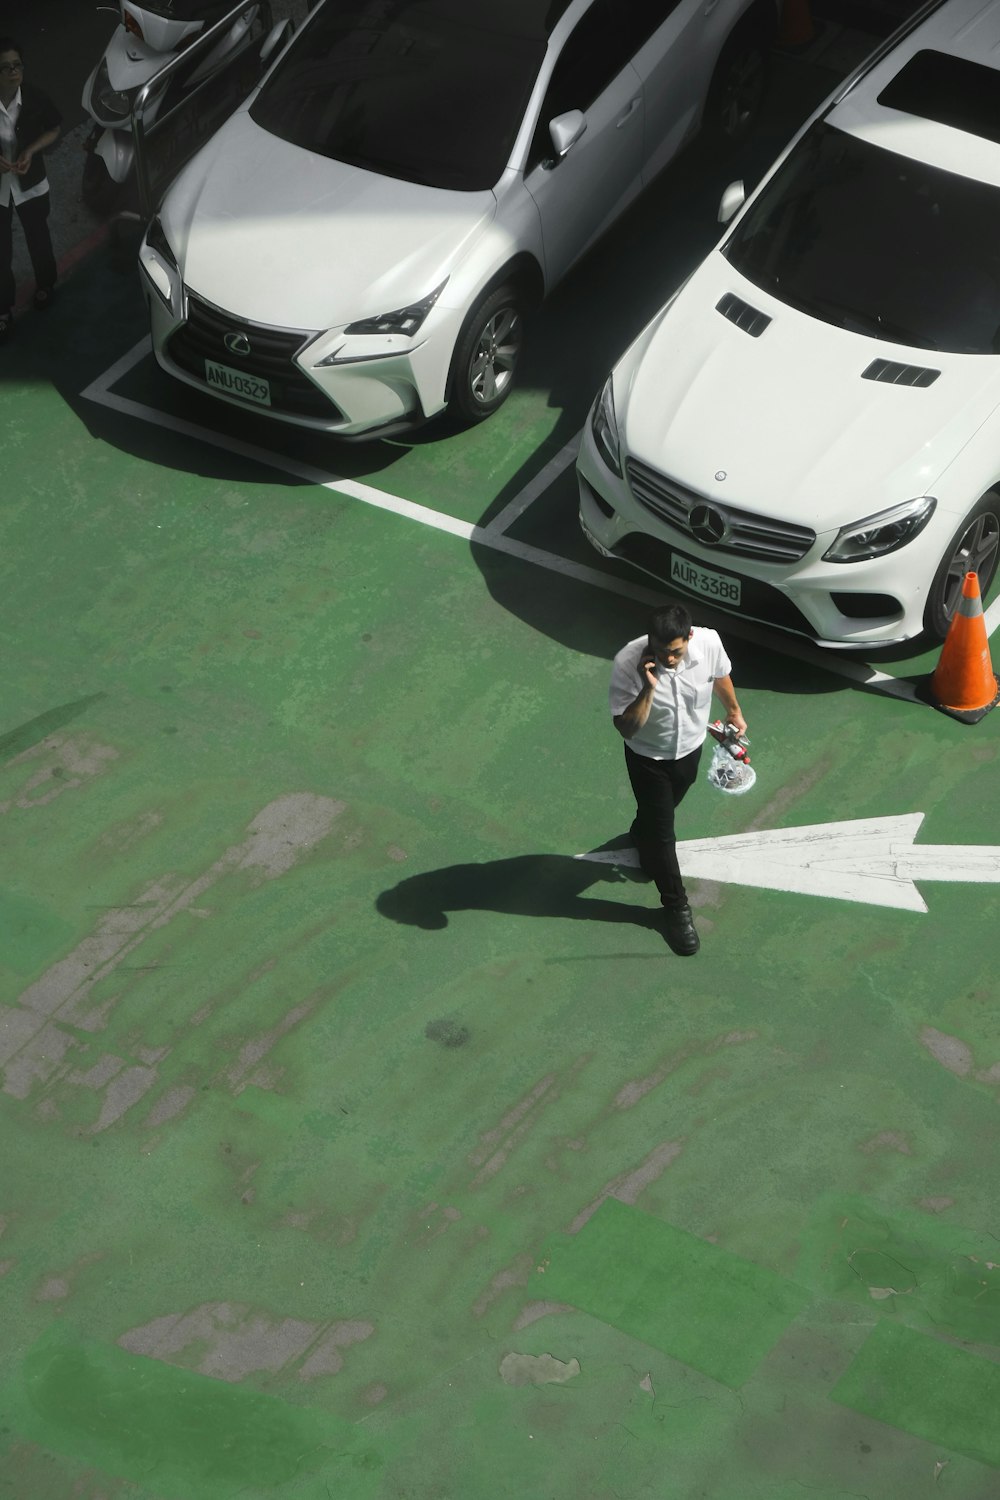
(529, 885)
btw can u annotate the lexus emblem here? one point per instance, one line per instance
(720, 475)
(708, 524)
(237, 343)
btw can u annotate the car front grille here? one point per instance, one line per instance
(271, 357)
(745, 535)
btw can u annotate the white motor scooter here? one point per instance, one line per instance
(149, 36)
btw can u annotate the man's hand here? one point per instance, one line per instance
(23, 163)
(5, 165)
(648, 672)
(738, 722)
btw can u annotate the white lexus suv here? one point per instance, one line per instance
(809, 432)
(356, 248)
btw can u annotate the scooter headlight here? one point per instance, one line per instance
(110, 103)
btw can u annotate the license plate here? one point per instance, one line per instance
(711, 585)
(238, 383)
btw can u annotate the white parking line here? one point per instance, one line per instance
(492, 535)
(535, 487)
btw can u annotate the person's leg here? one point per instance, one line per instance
(653, 829)
(683, 773)
(6, 258)
(34, 215)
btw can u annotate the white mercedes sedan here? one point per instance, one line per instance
(809, 432)
(356, 248)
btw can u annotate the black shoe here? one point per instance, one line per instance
(43, 298)
(680, 931)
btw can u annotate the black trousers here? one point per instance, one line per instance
(660, 786)
(34, 215)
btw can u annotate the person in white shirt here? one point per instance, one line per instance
(660, 699)
(29, 122)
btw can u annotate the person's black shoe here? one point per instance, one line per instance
(680, 931)
(43, 298)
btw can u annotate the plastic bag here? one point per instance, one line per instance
(729, 775)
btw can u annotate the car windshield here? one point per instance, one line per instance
(407, 88)
(877, 243)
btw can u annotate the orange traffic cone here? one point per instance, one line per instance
(797, 28)
(964, 683)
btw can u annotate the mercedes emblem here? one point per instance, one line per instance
(708, 524)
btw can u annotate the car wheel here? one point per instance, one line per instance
(99, 191)
(975, 548)
(486, 355)
(737, 90)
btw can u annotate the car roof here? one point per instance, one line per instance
(933, 95)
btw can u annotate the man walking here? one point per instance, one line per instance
(661, 698)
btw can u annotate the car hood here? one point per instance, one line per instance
(783, 423)
(279, 235)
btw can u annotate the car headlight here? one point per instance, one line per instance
(404, 320)
(604, 426)
(160, 266)
(884, 532)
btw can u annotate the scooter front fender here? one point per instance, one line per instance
(117, 151)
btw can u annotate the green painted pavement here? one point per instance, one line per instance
(925, 1271)
(691, 1299)
(191, 1437)
(314, 1035)
(927, 1387)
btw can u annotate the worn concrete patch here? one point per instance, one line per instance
(627, 1187)
(532, 1311)
(326, 1358)
(950, 1051)
(636, 1089)
(229, 1341)
(537, 1369)
(517, 1274)
(281, 833)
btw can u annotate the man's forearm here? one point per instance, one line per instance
(44, 141)
(726, 694)
(631, 720)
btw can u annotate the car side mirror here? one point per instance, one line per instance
(732, 199)
(274, 41)
(565, 130)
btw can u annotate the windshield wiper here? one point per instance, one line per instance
(873, 323)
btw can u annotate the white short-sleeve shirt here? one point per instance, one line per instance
(10, 183)
(682, 702)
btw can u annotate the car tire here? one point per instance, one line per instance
(486, 355)
(99, 191)
(736, 91)
(975, 548)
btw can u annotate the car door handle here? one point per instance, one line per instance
(633, 106)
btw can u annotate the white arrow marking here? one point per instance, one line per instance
(873, 860)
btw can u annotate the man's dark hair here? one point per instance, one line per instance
(8, 44)
(670, 623)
